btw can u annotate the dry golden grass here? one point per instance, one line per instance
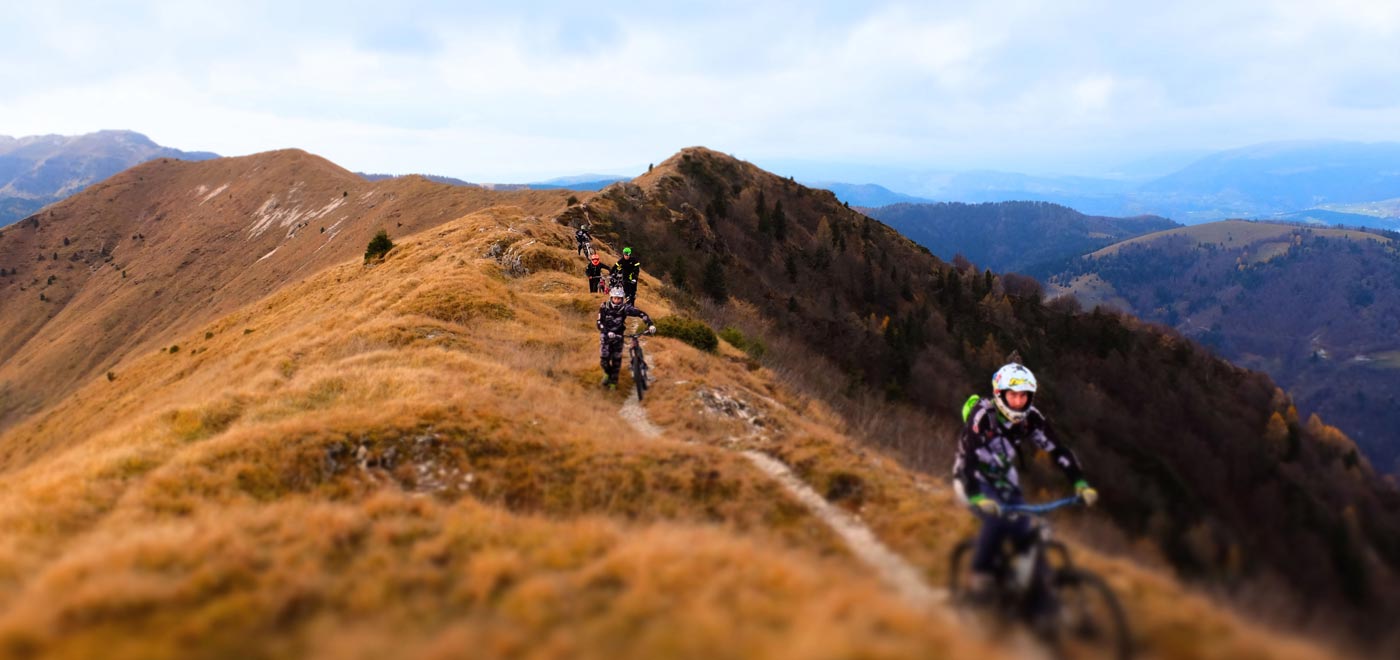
(415, 452)
(413, 459)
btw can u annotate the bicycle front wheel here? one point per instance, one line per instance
(639, 371)
(1091, 620)
(960, 569)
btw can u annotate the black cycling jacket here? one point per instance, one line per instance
(988, 446)
(613, 318)
(629, 268)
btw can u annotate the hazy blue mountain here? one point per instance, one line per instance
(38, 170)
(577, 182)
(573, 182)
(1034, 238)
(1316, 181)
(868, 194)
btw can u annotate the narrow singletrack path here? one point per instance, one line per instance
(898, 574)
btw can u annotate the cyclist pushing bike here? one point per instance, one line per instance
(985, 476)
(594, 270)
(585, 240)
(612, 325)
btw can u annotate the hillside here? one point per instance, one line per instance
(413, 459)
(1023, 237)
(1172, 435)
(1318, 309)
(42, 169)
(169, 245)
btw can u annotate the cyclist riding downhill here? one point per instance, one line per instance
(584, 238)
(985, 475)
(630, 269)
(612, 325)
(595, 269)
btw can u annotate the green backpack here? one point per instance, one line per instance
(969, 405)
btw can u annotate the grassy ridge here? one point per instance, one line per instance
(413, 459)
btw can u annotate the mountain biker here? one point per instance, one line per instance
(630, 269)
(595, 269)
(583, 237)
(985, 476)
(612, 324)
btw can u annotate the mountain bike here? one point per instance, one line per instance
(639, 364)
(1073, 608)
(614, 281)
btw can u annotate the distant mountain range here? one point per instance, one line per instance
(868, 194)
(40, 170)
(1321, 182)
(1034, 238)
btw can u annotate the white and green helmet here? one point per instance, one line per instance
(1015, 378)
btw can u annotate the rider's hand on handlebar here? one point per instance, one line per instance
(651, 329)
(986, 505)
(1086, 493)
(612, 335)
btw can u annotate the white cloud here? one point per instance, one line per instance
(487, 92)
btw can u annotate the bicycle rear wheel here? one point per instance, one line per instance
(1091, 621)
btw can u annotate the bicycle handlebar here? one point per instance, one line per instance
(1042, 508)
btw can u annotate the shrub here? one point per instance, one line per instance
(751, 345)
(175, 348)
(378, 247)
(111, 376)
(572, 200)
(690, 331)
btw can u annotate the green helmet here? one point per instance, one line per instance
(627, 251)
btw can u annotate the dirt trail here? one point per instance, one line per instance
(901, 576)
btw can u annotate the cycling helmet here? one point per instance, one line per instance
(594, 259)
(627, 251)
(617, 292)
(1015, 378)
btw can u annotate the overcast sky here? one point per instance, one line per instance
(490, 92)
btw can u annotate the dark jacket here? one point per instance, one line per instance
(613, 318)
(988, 448)
(629, 268)
(595, 270)
(582, 235)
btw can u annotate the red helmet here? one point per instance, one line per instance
(594, 259)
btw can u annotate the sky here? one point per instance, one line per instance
(524, 91)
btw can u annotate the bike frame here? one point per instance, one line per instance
(1022, 576)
